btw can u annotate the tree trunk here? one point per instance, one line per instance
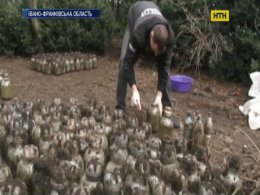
(117, 9)
(35, 25)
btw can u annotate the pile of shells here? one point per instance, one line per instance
(61, 63)
(58, 148)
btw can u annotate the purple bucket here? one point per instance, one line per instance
(181, 83)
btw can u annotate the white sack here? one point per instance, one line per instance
(252, 107)
(254, 91)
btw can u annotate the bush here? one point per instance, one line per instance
(120, 12)
(243, 60)
(16, 36)
(227, 50)
(77, 34)
(246, 44)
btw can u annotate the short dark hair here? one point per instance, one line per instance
(160, 35)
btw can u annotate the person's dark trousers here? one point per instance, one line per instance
(166, 94)
(122, 82)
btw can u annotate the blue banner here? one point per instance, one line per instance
(60, 13)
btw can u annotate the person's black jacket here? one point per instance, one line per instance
(142, 16)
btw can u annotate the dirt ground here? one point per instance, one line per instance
(231, 132)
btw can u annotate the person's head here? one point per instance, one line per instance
(158, 38)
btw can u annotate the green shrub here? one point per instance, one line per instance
(120, 12)
(77, 34)
(17, 38)
(242, 33)
(243, 60)
(15, 34)
(227, 50)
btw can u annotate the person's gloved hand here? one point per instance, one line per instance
(135, 100)
(158, 101)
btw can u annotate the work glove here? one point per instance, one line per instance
(135, 100)
(158, 102)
